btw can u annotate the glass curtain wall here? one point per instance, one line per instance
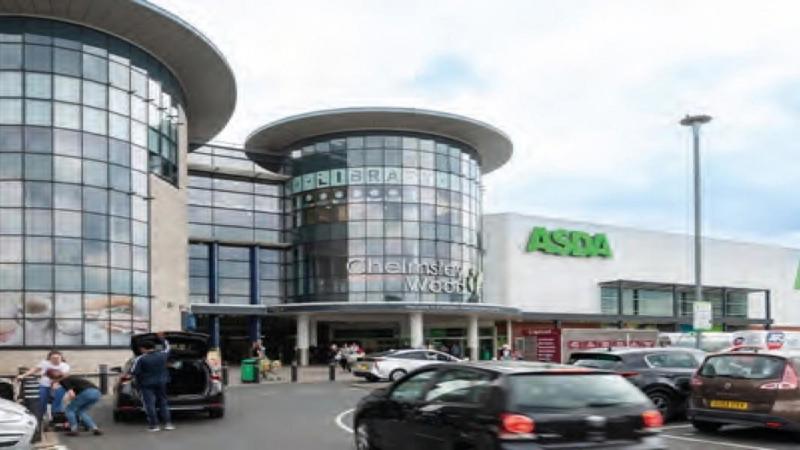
(367, 209)
(83, 118)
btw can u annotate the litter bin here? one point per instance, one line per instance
(250, 370)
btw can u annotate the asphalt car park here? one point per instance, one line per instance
(304, 416)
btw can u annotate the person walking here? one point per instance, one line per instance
(55, 361)
(83, 395)
(152, 376)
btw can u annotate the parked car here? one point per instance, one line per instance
(507, 405)
(394, 364)
(661, 373)
(17, 426)
(194, 385)
(747, 388)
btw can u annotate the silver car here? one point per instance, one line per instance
(17, 426)
(394, 364)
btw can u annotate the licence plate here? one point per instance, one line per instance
(729, 404)
(363, 367)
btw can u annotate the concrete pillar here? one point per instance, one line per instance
(472, 338)
(213, 326)
(312, 334)
(494, 338)
(510, 333)
(415, 325)
(302, 339)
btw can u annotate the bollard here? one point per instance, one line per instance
(224, 375)
(294, 372)
(103, 370)
(332, 372)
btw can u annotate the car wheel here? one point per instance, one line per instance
(706, 427)
(664, 402)
(397, 374)
(216, 413)
(363, 438)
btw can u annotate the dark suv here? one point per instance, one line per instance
(507, 405)
(747, 388)
(194, 385)
(661, 373)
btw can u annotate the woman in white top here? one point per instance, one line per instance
(55, 360)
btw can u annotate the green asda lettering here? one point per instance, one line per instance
(568, 243)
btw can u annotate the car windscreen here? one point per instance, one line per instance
(566, 391)
(749, 367)
(596, 361)
(672, 360)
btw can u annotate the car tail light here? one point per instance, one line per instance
(125, 378)
(629, 374)
(773, 425)
(788, 382)
(516, 426)
(652, 419)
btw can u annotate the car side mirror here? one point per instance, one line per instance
(116, 369)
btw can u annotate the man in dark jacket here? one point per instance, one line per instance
(152, 376)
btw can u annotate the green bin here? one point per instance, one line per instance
(250, 370)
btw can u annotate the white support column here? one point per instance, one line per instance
(472, 338)
(302, 339)
(312, 333)
(495, 347)
(415, 324)
(510, 333)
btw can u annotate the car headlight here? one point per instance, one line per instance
(8, 415)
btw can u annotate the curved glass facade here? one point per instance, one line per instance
(378, 217)
(83, 117)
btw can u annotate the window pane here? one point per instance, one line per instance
(10, 111)
(11, 249)
(94, 94)
(95, 68)
(67, 89)
(68, 196)
(10, 84)
(38, 221)
(38, 167)
(67, 170)
(67, 62)
(10, 166)
(38, 85)
(67, 223)
(37, 112)
(38, 57)
(10, 56)
(38, 195)
(94, 120)
(67, 116)
(118, 101)
(68, 251)
(38, 249)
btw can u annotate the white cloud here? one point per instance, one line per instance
(590, 92)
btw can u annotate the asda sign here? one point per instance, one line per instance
(568, 243)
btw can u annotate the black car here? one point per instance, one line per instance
(507, 405)
(194, 385)
(663, 374)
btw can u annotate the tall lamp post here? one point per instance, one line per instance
(696, 122)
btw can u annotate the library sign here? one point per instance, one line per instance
(568, 243)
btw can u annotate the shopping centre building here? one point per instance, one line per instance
(119, 214)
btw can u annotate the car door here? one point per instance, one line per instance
(391, 420)
(451, 413)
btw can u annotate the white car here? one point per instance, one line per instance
(394, 364)
(17, 426)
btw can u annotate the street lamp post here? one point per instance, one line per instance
(696, 122)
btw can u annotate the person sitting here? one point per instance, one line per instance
(55, 361)
(83, 395)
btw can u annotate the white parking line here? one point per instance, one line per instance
(340, 418)
(706, 441)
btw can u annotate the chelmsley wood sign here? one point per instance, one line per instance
(568, 243)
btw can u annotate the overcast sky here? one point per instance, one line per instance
(590, 92)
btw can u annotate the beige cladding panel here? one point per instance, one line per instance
(80, 361)
(169, 246)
